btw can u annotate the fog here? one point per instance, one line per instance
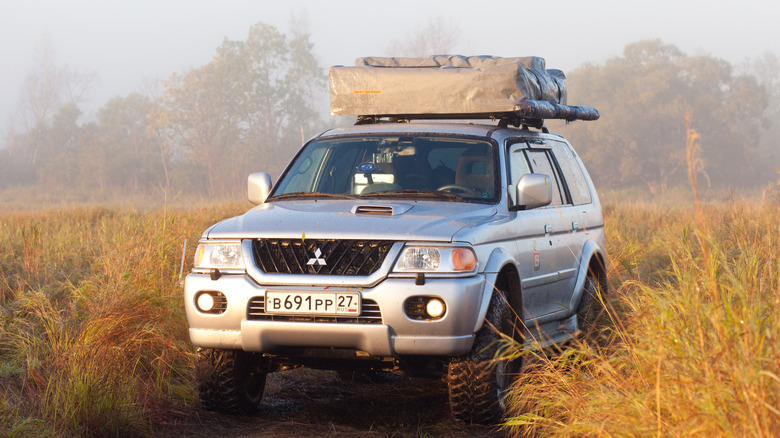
(130, 47)
(128, 44)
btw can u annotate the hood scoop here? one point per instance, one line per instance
(380, 210)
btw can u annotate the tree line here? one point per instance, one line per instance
(252, 106)
(643, 97)
(247, 109)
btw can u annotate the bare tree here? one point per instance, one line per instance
(48, 86)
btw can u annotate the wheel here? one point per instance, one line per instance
(457, 189)
(478, 383)
(591, 306)
(230, 381)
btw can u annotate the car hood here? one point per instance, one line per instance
(350, 219)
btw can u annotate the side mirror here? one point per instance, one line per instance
(258, 187)
(532, 191)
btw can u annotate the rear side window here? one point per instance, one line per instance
(572, 173)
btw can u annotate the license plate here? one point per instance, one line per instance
(312, 303)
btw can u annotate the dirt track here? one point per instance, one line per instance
(312, 403)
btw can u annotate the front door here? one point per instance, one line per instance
(548, 252)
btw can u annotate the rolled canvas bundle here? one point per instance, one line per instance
(452, 84)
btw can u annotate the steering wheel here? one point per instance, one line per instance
(457, 189)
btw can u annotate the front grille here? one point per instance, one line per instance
(369, 314)
(320, 257)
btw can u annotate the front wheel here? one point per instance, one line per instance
(230, 381)
(478, 383)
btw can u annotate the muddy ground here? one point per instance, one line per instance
(313, 403)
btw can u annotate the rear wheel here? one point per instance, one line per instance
(591, 307)
(230, 381)
(478, 382)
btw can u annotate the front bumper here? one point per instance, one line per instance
(396, 335)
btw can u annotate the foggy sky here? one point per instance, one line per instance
(127, 43)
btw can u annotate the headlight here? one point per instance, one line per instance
(420, 259)
(435, 259)
(219, 255)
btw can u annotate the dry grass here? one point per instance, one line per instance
(93, 338)
(692, 346)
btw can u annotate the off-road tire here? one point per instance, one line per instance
(478, 382)
(230, 381)
(591, 307)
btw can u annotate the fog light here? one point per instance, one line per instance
(212, 302)
(422, 308)
(435, 308)
(205, 302)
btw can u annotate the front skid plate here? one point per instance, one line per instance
(376, 340)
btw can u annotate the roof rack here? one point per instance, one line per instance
(531, 113)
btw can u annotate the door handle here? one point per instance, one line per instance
(547, 230)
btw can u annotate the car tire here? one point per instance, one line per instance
(478, 382)
(591, 307)
(230, 381)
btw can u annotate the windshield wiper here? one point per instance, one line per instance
(414, 194)
(312, 195)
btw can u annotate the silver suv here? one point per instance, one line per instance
(415, 248)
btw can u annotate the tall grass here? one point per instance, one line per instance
(692, 347)
(93, 339)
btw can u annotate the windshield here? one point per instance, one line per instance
(439, 168)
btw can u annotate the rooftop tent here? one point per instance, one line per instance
(452, 85)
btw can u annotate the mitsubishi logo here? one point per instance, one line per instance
(317, 259)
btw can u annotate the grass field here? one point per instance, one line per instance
(93, 338)
(691, 342)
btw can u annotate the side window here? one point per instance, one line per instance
(540, 163)
(518, 166)
(572, 173)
